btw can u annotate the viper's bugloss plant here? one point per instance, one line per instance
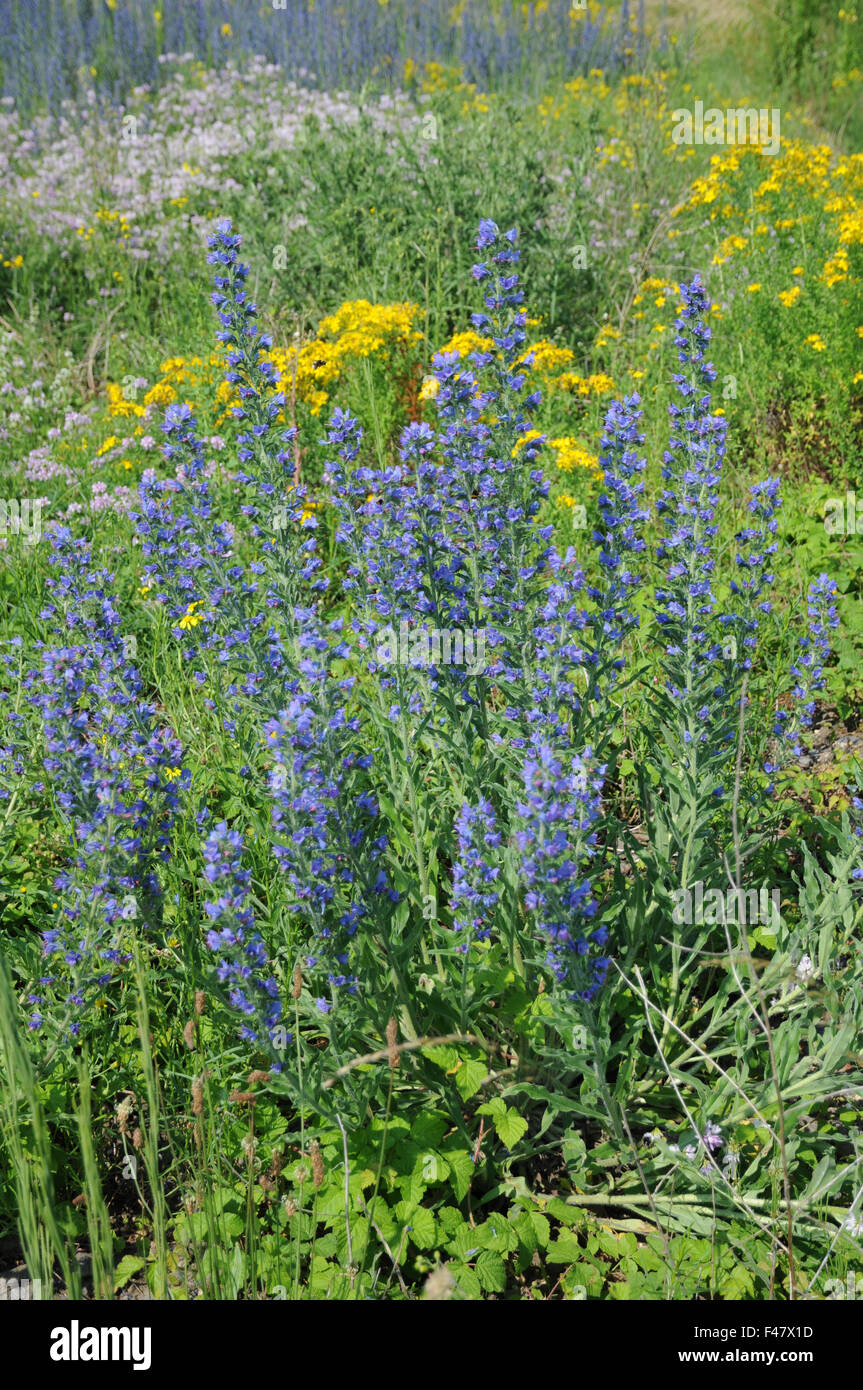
(561, 804)
(433, 844)
(243, 964)
(116, 773)
(328, 838)
(475, 888)
(693, 469)
(808, 668)
(431, 758)
(623, 518)
(754, 569)
(277, 514)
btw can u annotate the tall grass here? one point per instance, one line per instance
(60, 49)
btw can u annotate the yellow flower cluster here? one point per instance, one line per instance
(191, 617)
(652, 285)
(429, 388)
(525, 439)
(706, 190)
(106, 217)
(607, 334)
(836, 268)
(437, 77)
(547, 357)
(161, 394)
(118, 405)
(633, 104)
(807, 184)
(790, 297)
(192, 373)
(565, 499)
(572, 455)
(466, 343)
(597, 384)
(358, 329)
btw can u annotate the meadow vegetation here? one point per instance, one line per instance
(430, 577)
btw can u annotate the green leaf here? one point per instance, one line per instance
(129, 1265)
(466, 1281)
(565, 1250)
(738, 1285)
(541, 1228)
(237, 1268)
(423, 1230)
(451, 1219)
(562, 1211)
(496, 1234)
(461, 1170)
(444, 1057)
(511, 1127)
(470, 1077)
(491, 1271)
(466, 1243)
(429, 1128)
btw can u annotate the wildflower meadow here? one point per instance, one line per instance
(430, 575)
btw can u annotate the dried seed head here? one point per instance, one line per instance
(298, 983)
(439, 1285)
(199, 1001)
(242, 1097)
(392, 1049)
(317, 1163)
(276, 1166)
(137, 1139)
(189, 1035)
(258, 1076)
(290, 1206)
(302, 1173)
(250, 1146)
(80, 1200)
(198, 1096)
(124, 1110)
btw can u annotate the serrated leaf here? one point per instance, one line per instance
(442, 1056)
(422, 1229)
(467, 1282)
(429, 1128)
(461, 1170)
(129, 1265)
(470, 1077)
(491, 1271)
(565, 1250)
(510, 1127)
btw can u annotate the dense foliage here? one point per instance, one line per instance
(432, 848)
